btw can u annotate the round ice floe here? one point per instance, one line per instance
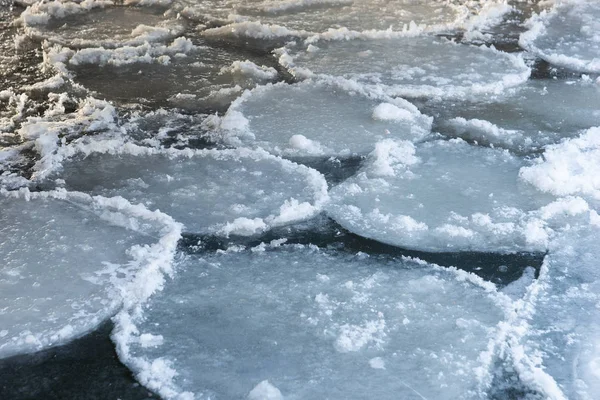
(210, 191)
(316, 119)
(410, 66)
(299, 323)
(182, 74)
(569, 168)
(440, 196)
(66, 262)
(539, 113)
(567, 36)
(106, 27)
(317, 16)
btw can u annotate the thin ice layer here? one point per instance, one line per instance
(562, 335)
(66, 259)
(307, 324)
(441, 196)
(202, 189)
(318, 119)
(108, 27)
(567, 36)
(538, 113)
(182, 74)
(409, 66)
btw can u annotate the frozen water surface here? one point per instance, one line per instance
(567, 36)
(314, 325)
(318, 119)
(440, 196)
(421, 66)
(59, 274)
(201, 188)
(538, 113)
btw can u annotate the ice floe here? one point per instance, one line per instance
(183, 74)
(60, 277)
(199, 188)
(441, 196)
(305, 17)
(408, 66)
(523, 119)
(317, 119)
(299, 322)
(103, 27)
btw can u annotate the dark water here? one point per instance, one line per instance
(87, 368)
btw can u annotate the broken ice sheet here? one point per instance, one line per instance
(441, 196)
(65, 261)
(567, 36)
(524, 119)
(201, 188)
(422, 66)
(314, 325)
(318, 119)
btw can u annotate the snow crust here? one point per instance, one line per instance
(569, 168)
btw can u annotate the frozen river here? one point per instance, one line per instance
(300, 199)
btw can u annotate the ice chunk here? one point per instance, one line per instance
(265, 391)
(66, 262)
(40, 13)
(316, 325)
(107, 27)
(567, 36)
(538, 113)
(411, 66)
(201, 188)
(317, 119)
(184, 74)
(569, 168)
(440, 196)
